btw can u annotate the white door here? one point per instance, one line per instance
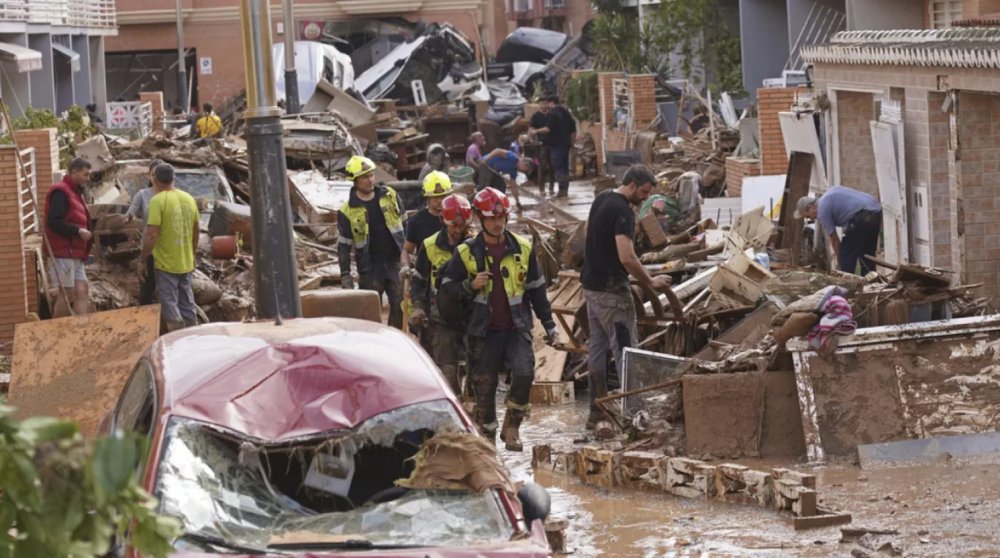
(892, 193)
(799, 131)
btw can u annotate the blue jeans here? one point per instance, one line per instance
(560, 162)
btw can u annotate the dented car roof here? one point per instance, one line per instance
(281, 382)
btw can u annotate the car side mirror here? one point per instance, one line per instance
(535, 502)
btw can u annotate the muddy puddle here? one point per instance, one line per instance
(942, 509)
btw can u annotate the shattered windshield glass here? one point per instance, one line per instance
(338, 489)
(202, 186)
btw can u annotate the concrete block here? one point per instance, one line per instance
(596, 466)
(792, 496)
(360, 304)
(736, 483)
(805, 479)
(689, 478)
(639, 470)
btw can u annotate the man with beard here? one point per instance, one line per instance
(609, 257)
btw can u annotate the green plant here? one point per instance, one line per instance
(72, 127)
(60, 496)
(581, 96)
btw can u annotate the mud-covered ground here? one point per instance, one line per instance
(942, 509)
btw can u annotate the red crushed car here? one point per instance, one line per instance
(288, 440)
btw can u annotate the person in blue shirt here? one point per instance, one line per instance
(501, 165)
(860, 217)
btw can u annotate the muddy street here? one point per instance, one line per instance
(937, 510)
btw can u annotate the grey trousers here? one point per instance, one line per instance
(176, 298)
(611, 319)
(383, 278)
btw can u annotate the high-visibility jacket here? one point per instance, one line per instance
(433, 254)
(354, 233)
(77, 215)
(209, 125)
(523, 283)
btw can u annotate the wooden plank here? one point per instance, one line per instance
(75, 367)
(552, 393)
(819, 521)
(796, 185)
(549, 361)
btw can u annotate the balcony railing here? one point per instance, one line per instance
(72, 13)
(555, 4)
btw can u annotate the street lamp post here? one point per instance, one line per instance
(182, 99)
(277, 285)
(292, 105)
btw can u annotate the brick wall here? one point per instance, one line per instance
(642, 96)
(939, 160)
(617, 140)
(13, 301)
(154, 98)
(855, 112)
(46, 160)
(771, 101)
(979, 183)
(980, 8)
(736, 169)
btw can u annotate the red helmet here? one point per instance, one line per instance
(455, 210)
(490, 202)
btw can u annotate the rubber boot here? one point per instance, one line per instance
(510, 432)
(564, 188)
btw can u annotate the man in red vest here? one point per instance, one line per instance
(67, 230)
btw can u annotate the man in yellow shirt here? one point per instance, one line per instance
(209, 125)
(171, 236)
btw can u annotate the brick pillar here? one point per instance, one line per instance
(642, 95)
(155, 98)
(32, 257)
(771, 101)
(607, 98)
(13, 282)
(46, 160)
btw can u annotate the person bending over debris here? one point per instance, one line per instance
(474, 154)
(209, 125)
(371, 224)
(171, 236)
(444, 340)
(501, 165)
(608, 259)
(498, 274)
(437, 160)
(68, 236)
(427, 221)
(859, 214)
(139, 209)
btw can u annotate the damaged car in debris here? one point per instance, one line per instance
(323, 438)
(530, 57)
(439, 59)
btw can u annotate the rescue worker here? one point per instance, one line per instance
(437, 160)
(497, 273)
(427, 221)
(371, 225)
(442, 340)
(209, 125)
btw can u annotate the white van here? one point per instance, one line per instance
(313, 61)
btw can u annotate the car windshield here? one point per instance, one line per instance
(202, 186)
(233, 493)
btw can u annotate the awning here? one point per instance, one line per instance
(72, 55)
(27, 60)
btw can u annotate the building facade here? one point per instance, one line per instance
(143, 57)
(52, 53)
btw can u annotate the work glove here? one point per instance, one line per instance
(417, 319)
(347, 282)
(551, 336)
(405, 272)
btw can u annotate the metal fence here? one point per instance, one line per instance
(71, 13)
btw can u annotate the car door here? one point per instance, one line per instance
(136, 409)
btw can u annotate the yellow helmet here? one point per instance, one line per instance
(436, 184)
(359, 166)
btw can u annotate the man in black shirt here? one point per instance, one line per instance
(561, 130)
(539, 122)
(608, 259)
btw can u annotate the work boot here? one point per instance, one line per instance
(563, 188)
(509, 433)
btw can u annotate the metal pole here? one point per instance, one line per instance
(277, 285)
(292, 105)
(182, 82)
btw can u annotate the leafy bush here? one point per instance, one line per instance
(73, 127)
(60, 496)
